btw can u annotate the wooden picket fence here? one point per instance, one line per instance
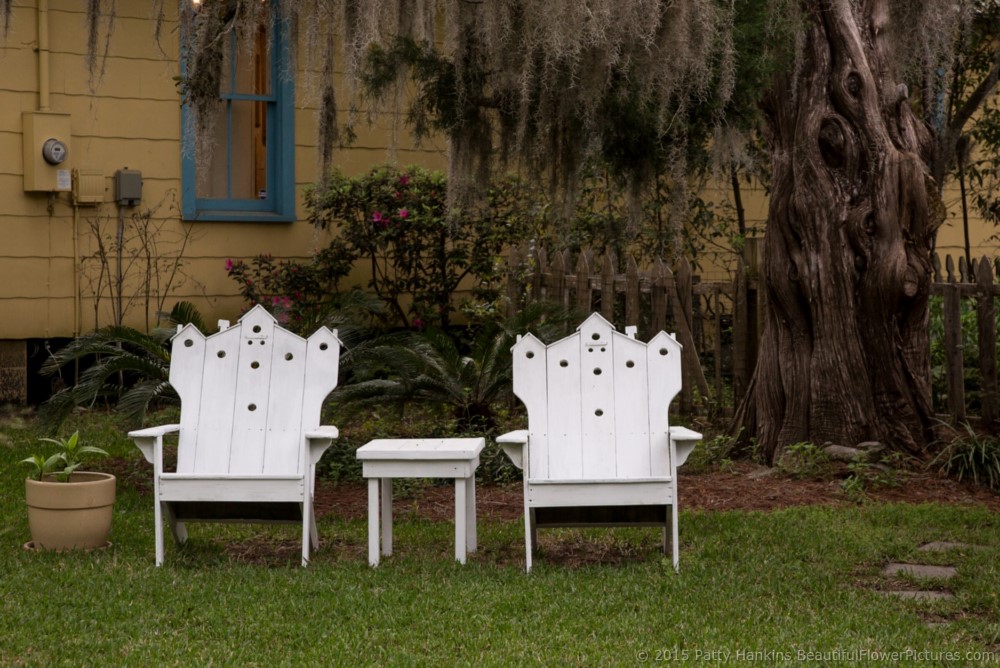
(977, 282)
(719, 322)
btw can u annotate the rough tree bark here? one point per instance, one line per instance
(844, 356)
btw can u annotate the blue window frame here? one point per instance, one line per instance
(248, 171)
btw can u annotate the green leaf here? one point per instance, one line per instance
(51, 463)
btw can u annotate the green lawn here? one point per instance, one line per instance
(778, 584)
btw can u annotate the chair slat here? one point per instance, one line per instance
(216, 411)
(187, 361)
(531, 387)
(283, 452)
(562, 452)
(632, 450)
(596, 403)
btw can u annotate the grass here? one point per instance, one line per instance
(796, 580)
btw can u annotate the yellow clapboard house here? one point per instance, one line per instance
(95, 159)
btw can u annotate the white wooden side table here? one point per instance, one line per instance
(385, 459)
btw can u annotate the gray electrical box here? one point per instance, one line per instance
(128, 186)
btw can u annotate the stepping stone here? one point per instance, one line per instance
(944, 546)
(920, 595)
(920, 570)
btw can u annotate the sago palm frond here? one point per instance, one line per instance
(124, 364)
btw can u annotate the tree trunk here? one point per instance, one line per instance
(844, 355)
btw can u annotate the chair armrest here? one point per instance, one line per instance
(318, 440)
(150, 442)
(513, 446)
(683, 441)
(520, 436)
(324, 431)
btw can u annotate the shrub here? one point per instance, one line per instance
(804, 460)
(972, 457)
(469, 381)
(712, 454)
(416, 250)
(300, 295)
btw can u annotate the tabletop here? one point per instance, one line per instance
(421, 448)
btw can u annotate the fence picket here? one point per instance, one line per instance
(557, 280)
(583, 284)
(632, 315)
(658, 296)
(741, 368)
(954, 371)
(538, 259)
(986, 315)
(608, 286)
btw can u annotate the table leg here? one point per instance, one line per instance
(373, 532)
(386, 517)
(460, 519)
(470, 513)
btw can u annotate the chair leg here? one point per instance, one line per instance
(313, 529)
(676, 546)
(534, 533)
(158, 530)
(529, 536)
(307, 531)
(177, 528)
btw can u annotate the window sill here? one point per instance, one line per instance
(239, 217)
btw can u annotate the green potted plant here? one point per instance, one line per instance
(67, 508)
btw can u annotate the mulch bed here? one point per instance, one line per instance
(745, 487)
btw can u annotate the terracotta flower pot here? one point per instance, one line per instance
(70, 515)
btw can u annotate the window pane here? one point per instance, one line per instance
(211, 159)
(240, 140)
(248, 168)
(251, 56)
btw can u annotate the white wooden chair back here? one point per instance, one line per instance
(248, 393)
(597, 403)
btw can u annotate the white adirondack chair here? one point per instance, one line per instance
(249, 435)
(598, 450)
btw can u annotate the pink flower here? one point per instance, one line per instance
(377, 217)
(229, 264)
(404, 180)
(403, 213)
(417, 323)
